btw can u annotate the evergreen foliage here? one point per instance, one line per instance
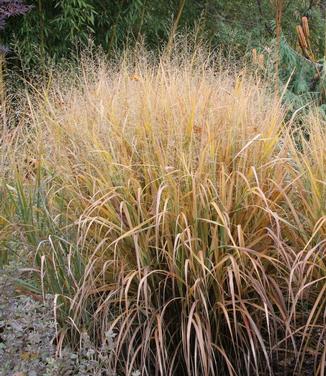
(303, 81)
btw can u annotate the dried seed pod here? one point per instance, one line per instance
(254, 55)
(305, 27)
(301, 36)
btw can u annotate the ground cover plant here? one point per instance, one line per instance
(169, 207)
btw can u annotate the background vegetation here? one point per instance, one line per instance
(56, 28)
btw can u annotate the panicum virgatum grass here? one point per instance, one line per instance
(170, 205)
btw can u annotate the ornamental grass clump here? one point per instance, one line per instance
(185, 220)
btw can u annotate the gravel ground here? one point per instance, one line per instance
(27, 330)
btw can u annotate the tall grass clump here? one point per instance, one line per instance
(184, 219)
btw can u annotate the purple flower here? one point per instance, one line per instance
(9, 8)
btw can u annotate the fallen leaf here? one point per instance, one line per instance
(26, 355)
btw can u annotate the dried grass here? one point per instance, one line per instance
(200, 226)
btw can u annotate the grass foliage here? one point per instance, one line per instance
(170, 205)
